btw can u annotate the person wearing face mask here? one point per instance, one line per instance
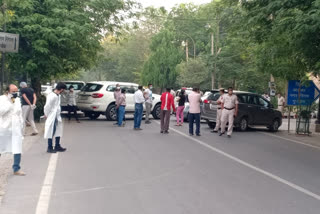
(52, 113)
(72, 105)
(11, 127)
(229, 105)
(148, 96)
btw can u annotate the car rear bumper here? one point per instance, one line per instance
(91, 107)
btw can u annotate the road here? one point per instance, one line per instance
(120, 171)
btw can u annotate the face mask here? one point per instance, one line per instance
(151, 88)
(13, 95)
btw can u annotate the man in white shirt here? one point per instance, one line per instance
(139, 100)
(148, 96)
(230, 110)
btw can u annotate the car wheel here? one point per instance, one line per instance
(274, 126)
(111, 113)
(92, 115)
(156, 111)
(211, 125)
(243, 125)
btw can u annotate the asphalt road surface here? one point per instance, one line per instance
(120, 171)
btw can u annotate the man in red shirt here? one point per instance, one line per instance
(167, 101)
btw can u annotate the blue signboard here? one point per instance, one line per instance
(302, 94)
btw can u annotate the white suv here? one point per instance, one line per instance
(97, 98)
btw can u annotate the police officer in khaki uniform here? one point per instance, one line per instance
(219, 110)
(229, 111)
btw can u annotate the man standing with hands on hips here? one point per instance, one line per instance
(219, 110)
(11, 127)
(229, 111)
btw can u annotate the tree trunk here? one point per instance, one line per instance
(36, 85)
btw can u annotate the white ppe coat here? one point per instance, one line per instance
(52, 110)
(11, 125)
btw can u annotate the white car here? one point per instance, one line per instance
(46, 89)
(97, 98)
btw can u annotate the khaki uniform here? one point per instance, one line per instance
(230, 103)
(219, 114)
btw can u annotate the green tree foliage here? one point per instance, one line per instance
(61, 37)
(160, 69)
(287, 32)
(194, 73)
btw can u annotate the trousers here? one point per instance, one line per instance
(27, 114)
(218, 120)
(227, 117)
(148, 110)
(165, 120)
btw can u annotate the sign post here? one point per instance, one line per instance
(301, 94)
(9, 43)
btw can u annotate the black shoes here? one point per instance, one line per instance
(221, 133)
(59, 149)
(198, 135)
(51, 150)
(229, 136)
(214, 131)
(166, 132)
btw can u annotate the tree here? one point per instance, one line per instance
(61, 37)
(194, 74)
(160, 69)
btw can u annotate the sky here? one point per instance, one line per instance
(169, 3)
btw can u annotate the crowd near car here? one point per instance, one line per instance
(97, 98)
(254, 110)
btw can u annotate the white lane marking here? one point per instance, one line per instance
(45, 194)
(294, 141)
(275, 177)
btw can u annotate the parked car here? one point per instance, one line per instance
(97, 98)
(254, 110)
(77, 86)
(186, 109)
(46, 89)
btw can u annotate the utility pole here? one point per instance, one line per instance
(3, 55)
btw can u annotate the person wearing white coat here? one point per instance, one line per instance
(11, 126)
(53, 125)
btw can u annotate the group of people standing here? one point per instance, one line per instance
(16, 111)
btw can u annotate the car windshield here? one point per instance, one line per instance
(214, 96)
(130, 89)
(76, 85)
(91, 87)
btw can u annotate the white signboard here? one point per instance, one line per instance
(9, 43)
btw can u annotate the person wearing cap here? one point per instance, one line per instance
(219, 110)
(229, 111)
(28, 102)
(72, 104)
